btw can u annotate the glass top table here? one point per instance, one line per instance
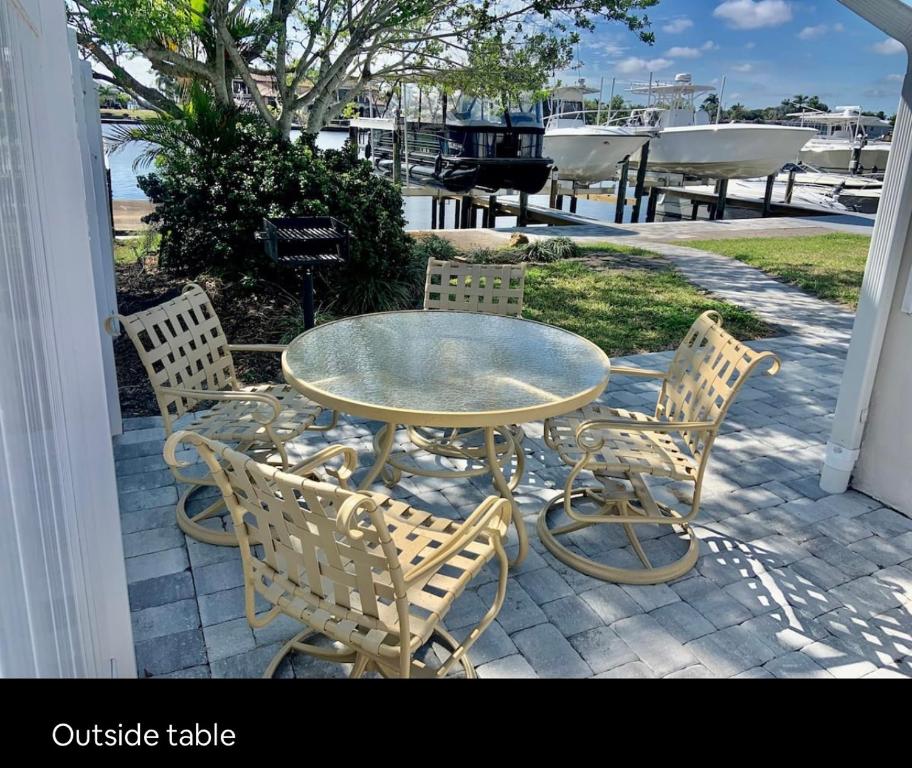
(448, 369)
(445, 369)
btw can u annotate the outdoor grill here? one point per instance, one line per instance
(307, 243)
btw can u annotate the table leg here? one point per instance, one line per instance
(505, 490)
(383, 445)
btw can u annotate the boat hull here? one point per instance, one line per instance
(837, 156)
(589, 155)
(727, 151)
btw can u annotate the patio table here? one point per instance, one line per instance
(447, 370)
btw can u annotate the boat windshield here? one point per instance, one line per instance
(476, 110)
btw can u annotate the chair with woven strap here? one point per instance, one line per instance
(189, 361)
(368, 572)
(495, 289)
(621, 449)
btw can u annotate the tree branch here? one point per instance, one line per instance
(151, 96)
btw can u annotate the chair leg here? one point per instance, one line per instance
(191, 524)
(333, 421)
(297, 644)
(361, 665)
(617, 511)
(460, 651)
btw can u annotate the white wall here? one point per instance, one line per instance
(884, 468)
(63, 603)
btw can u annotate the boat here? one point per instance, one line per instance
(689, 143)
(584, 152)
(504, 141)
(841, 134)
(480, 144)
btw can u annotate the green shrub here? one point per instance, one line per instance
(211, 197)
(551, 249)
(434, 247)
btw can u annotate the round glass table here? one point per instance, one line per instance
(446, 369)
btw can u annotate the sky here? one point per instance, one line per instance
(767, 49)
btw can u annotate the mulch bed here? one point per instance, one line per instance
(262, 313)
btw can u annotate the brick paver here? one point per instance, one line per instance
(790, 583)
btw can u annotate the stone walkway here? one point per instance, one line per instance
(790, 582)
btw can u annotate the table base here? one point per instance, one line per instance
(493, 454)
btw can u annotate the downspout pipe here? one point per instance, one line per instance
(894, 18)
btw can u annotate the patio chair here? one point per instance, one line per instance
(495, 289)
(366, 571)
(622, 448)
(189, 361)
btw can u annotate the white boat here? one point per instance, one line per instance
(690, 144)
(841, 133)
(582, 152)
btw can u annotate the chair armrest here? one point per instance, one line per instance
(630, 425)
(643, 373)
(481, 520)
(273, 348)
(320, 459)
(217, 394)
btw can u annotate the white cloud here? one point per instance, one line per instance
(608, 47)
(635, 65)
(811, 33)
(895, 78)
(709, 45)
(743, 68)
(750, 46)
(888, 47)
(819, 30)
(676, 26)
(754, 14)
(679, 52)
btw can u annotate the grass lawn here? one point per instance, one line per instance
(629, 308)
(132, 114)
(130, 251)
(828, 266)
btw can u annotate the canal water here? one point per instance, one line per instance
(417, 210)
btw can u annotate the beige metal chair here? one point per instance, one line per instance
(495, 289)
(189, 361)
(366, 571)
(621, 448)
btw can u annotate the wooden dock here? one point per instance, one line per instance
(707, 195)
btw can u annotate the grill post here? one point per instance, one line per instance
(307, 299)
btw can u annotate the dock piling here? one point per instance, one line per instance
(492, 211)
(457, 214)
(640, 183)
(768, 195)
(552, 197)
(523, 219)
(622, 192)
(652, 205)
(720, 204)
(790, 186)
(397, 151)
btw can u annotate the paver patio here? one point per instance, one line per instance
(790, 583)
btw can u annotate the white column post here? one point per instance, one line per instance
(891, 231)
